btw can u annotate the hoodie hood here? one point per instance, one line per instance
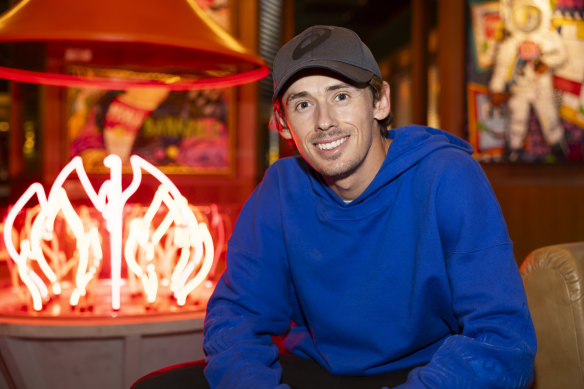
(409, 145)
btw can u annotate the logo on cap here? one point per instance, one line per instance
(310, 42)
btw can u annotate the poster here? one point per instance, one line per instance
(525, 101)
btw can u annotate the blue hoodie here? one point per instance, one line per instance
(418, 270)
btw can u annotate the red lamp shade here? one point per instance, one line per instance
(121, 44)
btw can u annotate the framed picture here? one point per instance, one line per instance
(485, 28)
(525, 76)
(180, 132)
(486, 124)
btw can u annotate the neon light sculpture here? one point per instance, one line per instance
(146, 258)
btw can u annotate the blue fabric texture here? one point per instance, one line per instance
(418, 270)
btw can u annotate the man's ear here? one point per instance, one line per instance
(284, 130)
(277, 122)
(383, 104)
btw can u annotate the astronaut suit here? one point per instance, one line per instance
(522, 68)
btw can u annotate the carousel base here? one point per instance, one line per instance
(81, 350)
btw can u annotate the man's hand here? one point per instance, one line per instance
(540, 67)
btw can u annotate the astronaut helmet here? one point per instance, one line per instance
(526, 17)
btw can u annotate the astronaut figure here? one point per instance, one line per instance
(522, 72)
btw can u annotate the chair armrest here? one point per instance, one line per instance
(554, 283)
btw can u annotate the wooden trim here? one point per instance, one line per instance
(419, 64)
(451, 69)
(247, 107)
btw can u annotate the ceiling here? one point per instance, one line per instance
(384, 25)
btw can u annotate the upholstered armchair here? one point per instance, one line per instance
(554, 282)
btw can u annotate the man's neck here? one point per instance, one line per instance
(350, 187)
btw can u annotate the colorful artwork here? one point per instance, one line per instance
(488, 126)
(486, 29)
(179, 132)
(525, 91)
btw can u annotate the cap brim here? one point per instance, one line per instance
(353, 73)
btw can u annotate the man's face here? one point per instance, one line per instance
(334, 127)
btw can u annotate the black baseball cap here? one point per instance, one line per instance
(333, 48)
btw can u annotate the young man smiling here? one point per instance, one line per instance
(379, 256)
(334, 125)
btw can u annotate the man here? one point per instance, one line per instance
(380, 257)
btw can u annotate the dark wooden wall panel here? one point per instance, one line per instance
(542, 204)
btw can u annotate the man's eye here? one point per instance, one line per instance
(302, 105)
(342, 96)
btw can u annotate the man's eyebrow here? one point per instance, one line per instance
(298, 95)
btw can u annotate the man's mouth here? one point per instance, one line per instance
(332, 145)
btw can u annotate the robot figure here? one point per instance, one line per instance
(522, 72)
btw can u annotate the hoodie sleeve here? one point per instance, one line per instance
(250, 303)
(497, 345)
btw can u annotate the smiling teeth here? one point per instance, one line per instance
(332, 145)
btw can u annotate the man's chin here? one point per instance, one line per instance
(337, 172)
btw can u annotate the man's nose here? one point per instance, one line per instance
(326, 117)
